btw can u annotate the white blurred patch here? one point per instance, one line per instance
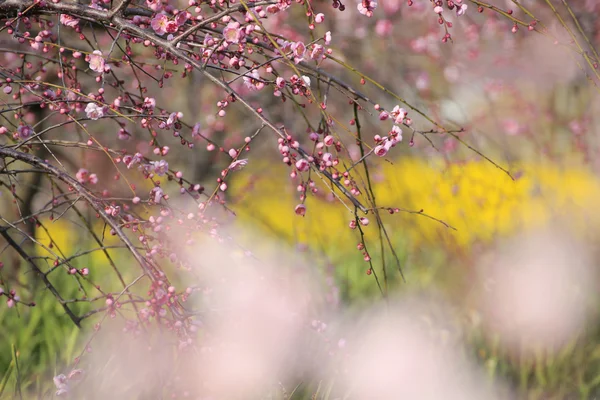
(537, 290)
(412, 350)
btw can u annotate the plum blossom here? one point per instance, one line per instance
(461, 10)
(149, 103)
(280, 82)
(24, 131)
(181, 18)
(396, 134)
(298, 50)
(196, 130)
(97, 61)
(83, 176)
(317, 52)
(69, 21)
(254, 83)
(160, 168)
(173, 117)
(123, 134)
(306, 80)
(233, 33)
(398, 114)
(328, 38)
(62, 384)
(94, 111)
(302, 165)
(159, 24)
(366, 7)
(130, 161)
(157, 194)
(238, 165)
(300, 209)
(154, 5)
(388, 142)
(382, 149)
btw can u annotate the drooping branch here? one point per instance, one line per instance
(3, 231)
(85, 194)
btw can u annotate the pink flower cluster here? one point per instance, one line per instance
(386, 143)
(162, 24)
(83, 176)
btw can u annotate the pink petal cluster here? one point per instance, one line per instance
(83, 176)
(395, 137)
(238, 165)
(160, 168)
(233, 33)
(97, 62)
(161, 24)
(366, 7)
(94, 111)
(69, 21)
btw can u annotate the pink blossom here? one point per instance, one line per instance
(171, 26)
(461, 10)
(280, 82)
(24, 131)
(181, 17)
(380, 150)
(82, 175)
(123, 134)
(232, 32)
(94, 111)
(97, 61)
(154, 5)
(130, 161)
(149, 103)
(302, 165)
(396, 133)
(399, 114)
(238, 165)
(69, 21)
(366, 7)
(328, 37)
(160, 168)
(300, 209)
(157, 194)
(320, 17)
(173, 117)
(298, 50)
(317, 52)
(61, 383)
(159, 24)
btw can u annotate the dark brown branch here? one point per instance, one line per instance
(3, 231)
(90, 199)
